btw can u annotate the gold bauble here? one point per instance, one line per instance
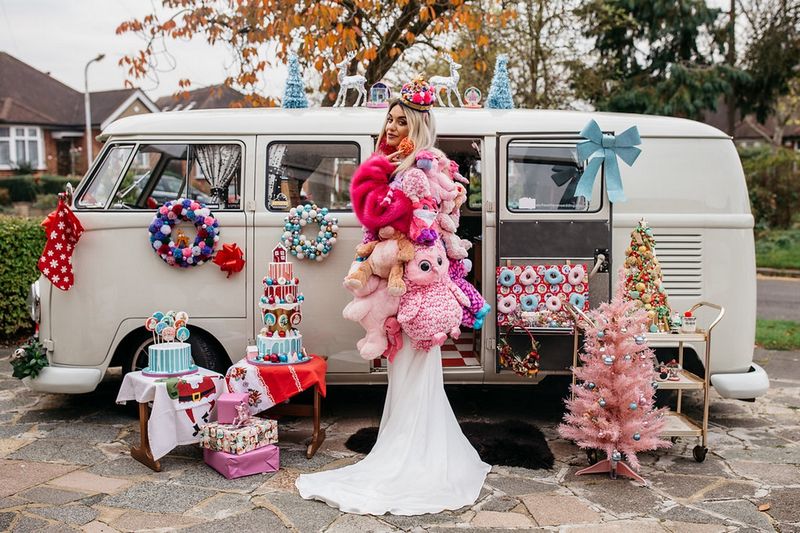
(642, 249)
(640, 287)
(646, 298)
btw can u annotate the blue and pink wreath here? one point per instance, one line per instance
(177, 251)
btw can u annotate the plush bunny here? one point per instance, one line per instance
(457, 248)
(371, 311)
(383, 258)
(431, 308)
(478, 308)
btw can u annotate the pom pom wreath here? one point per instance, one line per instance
(298, 244)
(294, 94)
(500, 90)
(181, 254)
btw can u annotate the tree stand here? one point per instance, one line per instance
(614, 468)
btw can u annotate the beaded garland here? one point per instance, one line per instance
(181, 255)
(298, 244)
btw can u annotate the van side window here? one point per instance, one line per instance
(317, 172)
(98, 192)
(208, 173)
(544, 178)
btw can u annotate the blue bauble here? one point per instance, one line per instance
(287, 227)
(633, 406)
(177, 253)
(591, 385)
(636, 436)
(602, 402)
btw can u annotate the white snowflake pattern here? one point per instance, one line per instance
(62, 256)
(42, 259)
(59, 246)
(46, 271)
(53, 234)
(64, 269)
(61, 225)
(50, 253)
(61, 214)
(69, 247)
(56, 278)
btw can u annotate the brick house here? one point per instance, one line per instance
(42, 120)
(212, 97)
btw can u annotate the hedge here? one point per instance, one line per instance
(21, 243)
(25, 188)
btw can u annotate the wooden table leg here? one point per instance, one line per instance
(142, 452)
(318, 436)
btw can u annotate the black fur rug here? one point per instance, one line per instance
(507, 443)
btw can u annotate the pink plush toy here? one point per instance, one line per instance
(478, 308)
(431, 308)
(371, 311)
(424, 227)
(457, 248)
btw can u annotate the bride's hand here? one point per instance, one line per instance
(395, 158)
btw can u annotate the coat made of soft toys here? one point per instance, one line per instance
(371, 306)
(383, 258)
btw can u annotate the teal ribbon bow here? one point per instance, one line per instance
(602, 147)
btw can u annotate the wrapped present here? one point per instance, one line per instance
(227, 402)
(258, 461)
(238, 439)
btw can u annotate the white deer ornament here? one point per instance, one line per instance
(349, 82)
(449, 84)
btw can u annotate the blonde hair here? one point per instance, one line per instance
(421, 130)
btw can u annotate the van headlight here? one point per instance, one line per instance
(34, 302)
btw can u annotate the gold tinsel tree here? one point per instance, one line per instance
(643, 278)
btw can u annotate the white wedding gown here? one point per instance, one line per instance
(421, 462)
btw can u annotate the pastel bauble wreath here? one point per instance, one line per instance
(182, 254)
(298, 244)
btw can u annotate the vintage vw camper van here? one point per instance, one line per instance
(251, 165)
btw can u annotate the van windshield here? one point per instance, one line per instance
(99, 190)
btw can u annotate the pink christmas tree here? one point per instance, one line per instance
(612, 405)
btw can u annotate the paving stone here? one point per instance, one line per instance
(76, 515)
(785, 504)
(9, 446)
(10, 502)
(784, 455)
(137, 521)
(53, 496)
(29, 524)
(739, 510)
(767, 473)
(67, 451)
(83, 432)
(497, 519)
(296, 458)
(256, 521)
(20, 475)
(499, 503)
(478, 529)
(307, 516)
(515, 486)
(282, 480)
(50, 415)
(618, 496)
(91, 483)
(5, 520)
(98, 527)
(681, 487)
(732, 489)
(186, 451)
(681, 513)
(685, 464)
(558, 509)
(154, 497)
(222, 505)
(126, 466)
(202, 475)
(407, 523)
(348, 523)
(14, 430)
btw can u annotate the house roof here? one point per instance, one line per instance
(742, 129)
(29, 96)
(211, 97)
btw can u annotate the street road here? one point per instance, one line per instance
(778, 298)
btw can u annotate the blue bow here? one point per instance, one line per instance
(599, 147)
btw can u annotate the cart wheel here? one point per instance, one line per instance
(591, 455)
(699, 453)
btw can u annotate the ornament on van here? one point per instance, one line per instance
(346, 82)
(62, 229)
(599, 148)
(230, 259)
(176, 251)
(379, 95)
(301, 246)
(472, 97)
(523, 364)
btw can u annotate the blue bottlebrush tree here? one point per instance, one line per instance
(500, 91)
(294, 94)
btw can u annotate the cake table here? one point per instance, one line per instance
(270, 386)
(179, 406)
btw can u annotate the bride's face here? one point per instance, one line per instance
(396, 126)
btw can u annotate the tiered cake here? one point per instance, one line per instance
(279, 340)
(170, 355)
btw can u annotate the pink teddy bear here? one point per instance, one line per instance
(372, 305)
(431, 308)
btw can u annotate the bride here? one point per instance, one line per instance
(421, 462)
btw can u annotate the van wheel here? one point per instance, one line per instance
(205, 352)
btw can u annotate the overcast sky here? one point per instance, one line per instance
(60, 36)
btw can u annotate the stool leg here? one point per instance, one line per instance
(318, 436)
(142, 453)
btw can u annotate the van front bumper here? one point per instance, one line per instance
(65, 380)
(742, 386)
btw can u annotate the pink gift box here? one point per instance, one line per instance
(258, 461)
(226, 406)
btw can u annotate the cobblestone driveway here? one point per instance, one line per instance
(64, 465)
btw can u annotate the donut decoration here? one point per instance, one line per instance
(300, 246)
(537, 294)
(172, 245)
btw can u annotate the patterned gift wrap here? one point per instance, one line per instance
(280, 270)
(279, 345)
(228, 438)
(169, 358)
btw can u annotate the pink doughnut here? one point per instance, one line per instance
(528, 276)
(553, 303)
(576, 275)
(507, 304)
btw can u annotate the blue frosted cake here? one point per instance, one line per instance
(170, 359)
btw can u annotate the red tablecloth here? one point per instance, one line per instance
(270, 385)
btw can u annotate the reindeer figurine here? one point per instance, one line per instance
(450, 84)
(349, 82)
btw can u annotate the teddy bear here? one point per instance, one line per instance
(431, 308)
(478, 308)
(457, 248)
(371, 307)
(383, 258)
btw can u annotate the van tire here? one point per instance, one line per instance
(206, 352)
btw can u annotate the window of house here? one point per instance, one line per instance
(20, 145)
(208, 173)
(97, 194)
(318, 172)
(544, 178)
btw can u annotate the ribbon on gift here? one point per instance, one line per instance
(230, 259)
(242, 415)
(599, 148)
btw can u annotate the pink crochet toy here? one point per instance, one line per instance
(431, 308)
(371, 311)
(478, 308)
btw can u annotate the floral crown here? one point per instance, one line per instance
(417, 94)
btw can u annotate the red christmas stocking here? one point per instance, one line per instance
(63, 229)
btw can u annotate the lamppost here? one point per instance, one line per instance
(87, 109)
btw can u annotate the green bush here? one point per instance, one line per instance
(25, 188)
(773, 180)
(21, 243)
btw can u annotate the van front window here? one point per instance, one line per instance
(99, 190)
